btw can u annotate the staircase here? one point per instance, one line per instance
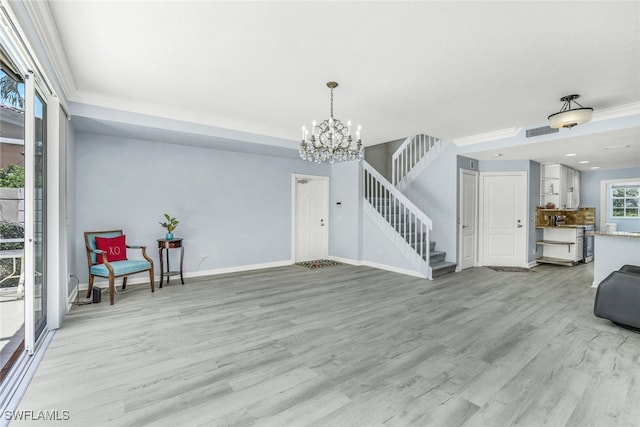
(406, 225)
(412, 157)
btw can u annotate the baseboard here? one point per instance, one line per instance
(394, 269)
(237, 269)
(533, 264)
(201, 273)
(241, 268)
(346, 260)
(378, 266)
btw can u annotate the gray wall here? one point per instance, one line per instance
(590, 183)
(380, 250)
(379, 156)
(234, 208)
(435, 192)
(345, 234)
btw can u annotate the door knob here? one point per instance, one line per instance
(519, 224)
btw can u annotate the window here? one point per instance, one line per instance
(625, 200)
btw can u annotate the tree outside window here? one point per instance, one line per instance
(625, 200)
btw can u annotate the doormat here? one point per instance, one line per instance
(319, 263)
(513, 269)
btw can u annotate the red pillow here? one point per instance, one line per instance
(115, 247)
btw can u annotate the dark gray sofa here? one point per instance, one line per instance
(618, 297)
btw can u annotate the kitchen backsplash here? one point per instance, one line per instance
(581, 216)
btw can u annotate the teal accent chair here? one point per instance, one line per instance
(111, 270)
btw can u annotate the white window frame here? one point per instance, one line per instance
(611, 197)
(605, 202)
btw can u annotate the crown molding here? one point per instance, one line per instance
(488, 136)
(41, 18)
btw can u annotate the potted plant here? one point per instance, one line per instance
(170, 224)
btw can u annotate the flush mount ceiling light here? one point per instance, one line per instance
(569, 117)
(330, 141)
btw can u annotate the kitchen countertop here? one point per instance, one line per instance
(563, 226)
(617, 234)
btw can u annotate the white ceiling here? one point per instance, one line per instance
(448, 69)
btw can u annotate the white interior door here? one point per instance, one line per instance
(311, 218)
(504, 229)
(468, 218)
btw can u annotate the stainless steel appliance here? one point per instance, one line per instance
(558, 220)
(587, 244)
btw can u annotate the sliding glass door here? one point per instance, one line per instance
(12, 172)
(40, 215)
(23, 216)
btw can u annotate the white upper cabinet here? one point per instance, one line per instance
(559, 186)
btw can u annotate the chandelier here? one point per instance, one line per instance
(569, 117)
(330, 140)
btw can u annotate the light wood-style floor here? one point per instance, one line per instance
(346, 346)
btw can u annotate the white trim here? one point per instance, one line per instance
(488, 136)
(29, 212)
(346, 260)
(460, 206)
(55, 280)
(604, 198)
(11, 41)
(44, 25)
(294, 178)
(480, 256)
(201, 273)
(394, 269)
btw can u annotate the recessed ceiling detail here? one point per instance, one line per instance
(258, 73)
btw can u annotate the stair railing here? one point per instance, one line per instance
(391, 205)
(409, 154)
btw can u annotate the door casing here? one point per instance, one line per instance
(520, 259)
(461, 225)
(294, 213)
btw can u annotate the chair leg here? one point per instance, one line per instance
(112, 289)
(124, 282)
(151, 279)
(90, 288)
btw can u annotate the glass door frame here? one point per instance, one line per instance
(33, 331)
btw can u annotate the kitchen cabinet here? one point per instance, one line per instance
(559, 185)
(574, 199)
(562, 245)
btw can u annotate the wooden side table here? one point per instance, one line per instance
(165, 245)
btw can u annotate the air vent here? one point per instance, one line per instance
(544, 130)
